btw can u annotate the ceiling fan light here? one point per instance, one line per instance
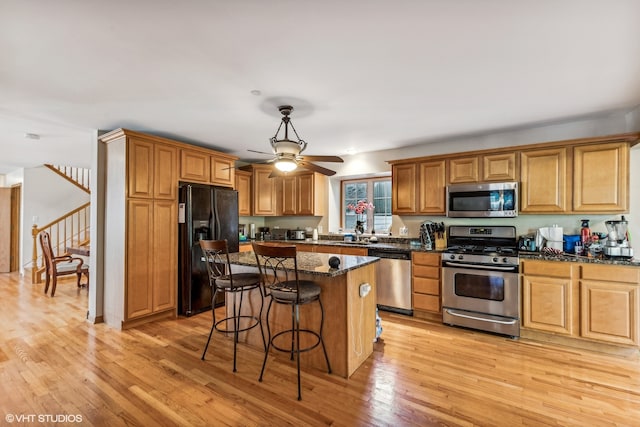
(285, 165)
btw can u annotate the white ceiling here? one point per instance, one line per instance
(362, 75)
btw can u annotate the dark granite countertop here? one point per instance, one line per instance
(402, 245)
(573, 258)
(311, 262)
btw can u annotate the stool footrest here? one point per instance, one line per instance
(292, 331)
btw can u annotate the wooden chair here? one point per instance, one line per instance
(221, 279)
(63, 265)
(278, 268)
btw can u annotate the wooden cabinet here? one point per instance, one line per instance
(403, 189)
(463, 170)
(425, 281)
(200, 165)
(432, 187)
(499, 167)
(610, 303)
(483, 168)
(601, 178)
(543, 181)
(418, 188)
(243, 186)
(195, 166)
(141, 236)
(222, 170)
(549, 301)
(303, 194)
(263, 190)
(593, 303)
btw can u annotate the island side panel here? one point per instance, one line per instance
(361, 316)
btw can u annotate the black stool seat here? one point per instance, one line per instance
(239, 280)
(286, 291)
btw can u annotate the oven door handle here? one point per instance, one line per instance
(478, 266)
(503, 322)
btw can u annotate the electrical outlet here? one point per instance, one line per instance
(365, 288)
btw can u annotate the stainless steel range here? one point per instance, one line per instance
(480, 286)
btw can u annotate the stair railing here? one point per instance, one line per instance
(71, 229)
(80, 177)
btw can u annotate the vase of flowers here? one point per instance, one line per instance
(360, 210)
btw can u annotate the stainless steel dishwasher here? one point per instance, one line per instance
(393, 280)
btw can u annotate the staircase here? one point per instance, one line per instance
(70, 229)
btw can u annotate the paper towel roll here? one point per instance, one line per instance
(552, 237)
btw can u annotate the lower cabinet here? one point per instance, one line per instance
(594, 302)
(610, 304)
(548, 297)
(151, 258)
(425, 279)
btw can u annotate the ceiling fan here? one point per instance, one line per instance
(288, 153)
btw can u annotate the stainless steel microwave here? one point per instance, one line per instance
(483, 200)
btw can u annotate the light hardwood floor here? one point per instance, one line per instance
(53, 363)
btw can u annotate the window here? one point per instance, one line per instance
(373, 190)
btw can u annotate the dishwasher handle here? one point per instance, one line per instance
(390, 254)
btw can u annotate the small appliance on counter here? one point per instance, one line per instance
(279, 234)
(618, 240)
(263, 233)
(297, 234)
(527, 243)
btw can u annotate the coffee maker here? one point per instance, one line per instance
(618, 240)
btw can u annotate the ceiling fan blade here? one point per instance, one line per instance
(316, 168)
(323, 158)
(261, 152)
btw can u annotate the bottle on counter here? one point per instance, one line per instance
(585, 233)
(315, 235)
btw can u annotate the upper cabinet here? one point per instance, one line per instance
(304, 193)
(483, 168)
(543, 181)
(243, 186)
(152, 169)
(418, 188)
(206, 166)
(601, 178)
(263, 190)
(588, 175)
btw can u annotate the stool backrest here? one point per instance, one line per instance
(216, 256)
(278, 265)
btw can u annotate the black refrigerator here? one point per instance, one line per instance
(204, 213)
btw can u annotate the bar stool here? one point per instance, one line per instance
(278, 268)
(221, 279)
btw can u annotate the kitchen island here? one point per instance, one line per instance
(349, 320)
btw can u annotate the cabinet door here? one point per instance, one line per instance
(499, 167)
(289, 195)
(425, 280)
(463, 170)
(194, 166)
(140, 168)
(264, 193)
(305, 194)
(609, 312)
(432, 187)
(165, 172)
(403, 194)
(547, 304)
(543, 177)
(140, 263)
(243, 186)
(222, 171)
(601, 178)
(165, 258)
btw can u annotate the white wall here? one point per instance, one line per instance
(376, 162)
(46, 196)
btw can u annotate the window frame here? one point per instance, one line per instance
(370, 185)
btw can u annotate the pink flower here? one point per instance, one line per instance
(360, 207)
